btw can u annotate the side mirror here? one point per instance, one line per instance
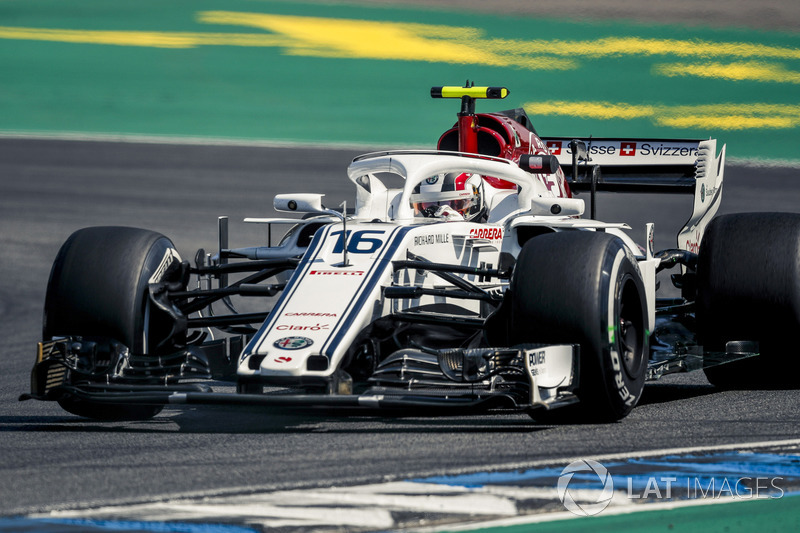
(312, 203)
(557, 206)
(299, 203)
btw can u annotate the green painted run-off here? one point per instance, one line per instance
(761, 515)
(323, 72)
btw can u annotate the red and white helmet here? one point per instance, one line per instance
(460, 191)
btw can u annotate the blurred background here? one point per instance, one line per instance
(358, 73)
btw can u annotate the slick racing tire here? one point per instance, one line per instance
(748, 289)
(99, 287)
(584, 287)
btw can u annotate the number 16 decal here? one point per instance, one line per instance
(358, 242)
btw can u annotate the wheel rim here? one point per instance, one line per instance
(631, 328)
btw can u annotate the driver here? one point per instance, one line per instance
(451, 196)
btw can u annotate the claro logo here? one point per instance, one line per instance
(296, 327)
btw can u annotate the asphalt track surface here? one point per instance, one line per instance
(53, 460)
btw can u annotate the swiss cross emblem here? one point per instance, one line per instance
(627, 149)
(554, 147)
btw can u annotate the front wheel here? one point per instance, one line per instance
(582, 287)
(99, 287)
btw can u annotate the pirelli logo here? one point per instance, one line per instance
(336, 273)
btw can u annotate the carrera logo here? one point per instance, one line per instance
(486, 233)
(336, 273)
(554, 147)
(282, 359)
(627, 149)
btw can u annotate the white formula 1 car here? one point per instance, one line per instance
(465, 279)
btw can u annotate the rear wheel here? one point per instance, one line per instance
(99, 287)
(581, 287)
(748, 289)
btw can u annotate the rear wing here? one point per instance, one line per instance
(647, 166)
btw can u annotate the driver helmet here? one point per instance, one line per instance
(460, 191)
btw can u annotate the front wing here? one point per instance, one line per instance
(461, 380)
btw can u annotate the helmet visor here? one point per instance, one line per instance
(461, 205)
